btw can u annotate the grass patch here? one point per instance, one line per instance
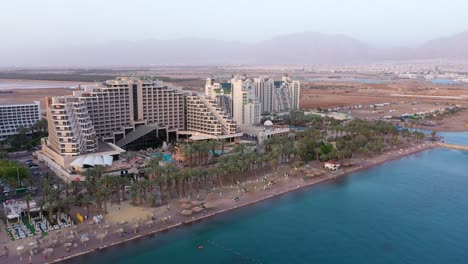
(28, 225)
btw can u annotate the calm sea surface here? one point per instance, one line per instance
(7, 85)
(444, 81)
(414, 210)
(358, 80)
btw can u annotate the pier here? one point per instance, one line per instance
(452, 146)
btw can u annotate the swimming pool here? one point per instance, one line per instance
(167, 157)
(217, 152)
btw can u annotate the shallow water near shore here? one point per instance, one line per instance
(413, 210)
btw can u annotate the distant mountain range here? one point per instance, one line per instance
(299, 48)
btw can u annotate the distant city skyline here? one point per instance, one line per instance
(390, 23)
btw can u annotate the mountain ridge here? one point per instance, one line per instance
(294, 48)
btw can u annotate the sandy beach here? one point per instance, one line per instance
(126, 222)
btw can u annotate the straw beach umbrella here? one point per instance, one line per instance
(208, 205)
(19, 248)
(149, 223)
(135, 228)
(184, 200)
(196, 202)
(54, 242)
(185, 206)
(84, 240)
(100, 237)
(197, 209)
(48, 251)
(186, 212)
(67, 246)
(164, 219)
(120, 231)
(106, 227)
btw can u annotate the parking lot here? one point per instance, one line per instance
(30, 186)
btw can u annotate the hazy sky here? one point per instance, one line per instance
(390, 22)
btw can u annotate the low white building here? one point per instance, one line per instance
(70, 168)
(262, 133)
(15, 209)
(332, 165)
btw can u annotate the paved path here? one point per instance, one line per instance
(452, 146)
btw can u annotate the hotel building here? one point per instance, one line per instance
(277, 96)
(207, 119)
(245, 105)
(15, 116)
(273, 96)
(71, 132)
(98, 122)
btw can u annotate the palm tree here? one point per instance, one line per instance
(433, 135)
(134, 193)
(213, 145)
(46, 189)
(41, 204)
(153, 169)
(239, 148)
(86, 200)
(51, 201)
(188, 151)
(223, 143)
(144, 184)
(28, 199)
(123, 182)
(103, 193)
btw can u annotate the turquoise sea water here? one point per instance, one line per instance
(413, 210)
(358, 80)
(444, 81)
(459, 138)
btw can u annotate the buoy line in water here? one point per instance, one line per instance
(235, 252)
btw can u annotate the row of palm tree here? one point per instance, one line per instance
(198, 153)
(162, 182)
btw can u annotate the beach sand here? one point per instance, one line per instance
(154, 220)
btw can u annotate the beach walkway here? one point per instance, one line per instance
(452, 146)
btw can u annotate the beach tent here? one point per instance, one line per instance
(107, 160)
(92, 160)
(89, 160)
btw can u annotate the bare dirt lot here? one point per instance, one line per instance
(402, 96)
(335, 94)
(27, 96)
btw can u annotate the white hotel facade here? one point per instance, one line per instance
(98, 122)
(14, 116)
(250, 98)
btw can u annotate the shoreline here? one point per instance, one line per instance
(291, 185)
(378, 160)
(449, 129)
